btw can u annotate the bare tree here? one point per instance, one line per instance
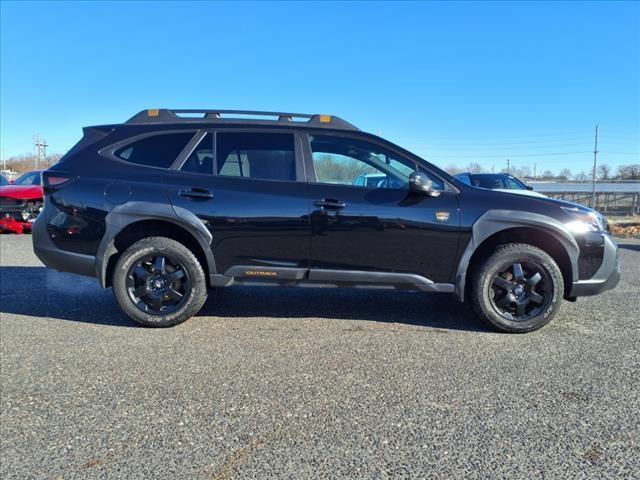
(452, 169)
(524, 172)
(565, 174)
(26, 162)
(474, 168)
(629, 172)
(581, 177)
(547, 174)
(604, 171)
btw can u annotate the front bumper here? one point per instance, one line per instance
(605, 278)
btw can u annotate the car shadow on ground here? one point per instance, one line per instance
(42, 292)
(630, 246)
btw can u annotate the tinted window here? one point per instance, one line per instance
(496, 181)
(464, 179)
(156, 150)
(513, 184)
(201, 159)
(32, 178)
(3, 181)
(268, 156)
(347, 161)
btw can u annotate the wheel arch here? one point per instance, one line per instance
(133, 221)
(498, 227)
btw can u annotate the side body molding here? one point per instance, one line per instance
(494, 221)
(124, 215)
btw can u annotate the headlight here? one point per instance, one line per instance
(583, 221)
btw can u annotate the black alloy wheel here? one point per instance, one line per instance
(517, 289)
(521, 291)
(158, 284)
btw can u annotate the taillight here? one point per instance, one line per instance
(52, 181)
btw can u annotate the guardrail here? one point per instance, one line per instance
(620, 203)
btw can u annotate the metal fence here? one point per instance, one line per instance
(619, 203)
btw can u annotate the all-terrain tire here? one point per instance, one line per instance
(485, 294)
(192, 273)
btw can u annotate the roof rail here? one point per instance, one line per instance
(164, 115)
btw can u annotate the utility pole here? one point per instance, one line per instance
(593, 176)
(508, 167)
(535, 166)
(40, 145)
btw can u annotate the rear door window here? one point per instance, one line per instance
(201, 159)
(156, 150)
(266, 156)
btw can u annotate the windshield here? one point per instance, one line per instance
(496, 181)
(3, 181)
(30, 178)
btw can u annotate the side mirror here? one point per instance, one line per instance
(529, 187)
(419, 182)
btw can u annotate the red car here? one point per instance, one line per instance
(20, 203)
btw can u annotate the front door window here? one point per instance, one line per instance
(347, 161)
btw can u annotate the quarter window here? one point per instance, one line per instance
(266, 156)
(155, 150)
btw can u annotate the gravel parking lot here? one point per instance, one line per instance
(295, 383)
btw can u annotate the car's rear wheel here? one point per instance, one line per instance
(517, 289)
(159, 282)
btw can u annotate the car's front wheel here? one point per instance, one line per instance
(517, 289)
(159, 282)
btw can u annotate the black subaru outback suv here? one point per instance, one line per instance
(175, 201)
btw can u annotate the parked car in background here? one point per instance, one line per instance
(174, 201)
(21, 202)
(502, 182)
(375, 180)
(29, 179)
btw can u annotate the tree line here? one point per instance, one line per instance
(604, 172)
(27, 162)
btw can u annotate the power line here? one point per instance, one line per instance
(40, 145)
(501, 145)
(481, 136)
(549, 154)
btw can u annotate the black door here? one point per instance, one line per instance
(248, 189)
(364, 218)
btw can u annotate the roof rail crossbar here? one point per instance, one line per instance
(164, 115)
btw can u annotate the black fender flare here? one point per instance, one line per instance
(131, 212)
(494, 221)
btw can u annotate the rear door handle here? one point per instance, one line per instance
(196, 192)
(330, 204)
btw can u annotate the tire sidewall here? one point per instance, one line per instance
(484, 289)
(132, 255)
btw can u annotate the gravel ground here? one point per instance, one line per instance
(295, 383)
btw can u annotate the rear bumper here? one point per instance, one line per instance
(56, 258)
(607, 276)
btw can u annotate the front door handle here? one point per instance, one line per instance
(329, 204)
(196, 192)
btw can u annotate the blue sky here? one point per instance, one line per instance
(454, 82)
